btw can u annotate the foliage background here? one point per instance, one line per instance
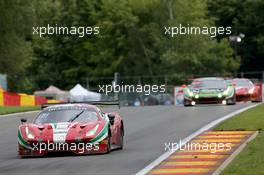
(131, 40)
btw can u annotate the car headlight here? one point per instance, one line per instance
(251, 91)
(92, 131)
(191, 94)
(29, 134)
(196, 96)
(219, 95)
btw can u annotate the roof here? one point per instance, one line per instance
(54, 89)
(79, 90)
(81, 105)
(244, 79)
(209, 78)
(51, 90)
(79, 93)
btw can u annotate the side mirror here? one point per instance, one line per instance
(23, 120)
(111, 118)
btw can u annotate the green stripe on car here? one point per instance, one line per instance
(101, 134)
(22, 141)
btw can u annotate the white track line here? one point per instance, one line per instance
(187, 139)
(18, 113)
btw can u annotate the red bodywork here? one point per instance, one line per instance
(251, 92)
(72, 133)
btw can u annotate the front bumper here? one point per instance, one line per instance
(207, 100)
(243, 97)
(74, 147)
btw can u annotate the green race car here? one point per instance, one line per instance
(209, 91)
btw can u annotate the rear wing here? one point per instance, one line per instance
(105, 103)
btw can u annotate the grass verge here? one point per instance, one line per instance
(15, 109)
(251, 160)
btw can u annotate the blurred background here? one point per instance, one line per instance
(131, 48)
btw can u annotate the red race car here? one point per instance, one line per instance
(80, 128)
(247, 91)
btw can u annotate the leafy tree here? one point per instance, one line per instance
(131, 42)
(247, 17)
(188, 54)
(15, 44)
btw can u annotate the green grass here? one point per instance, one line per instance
(251, 160)
(15, 109)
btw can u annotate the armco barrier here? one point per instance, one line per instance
(27, 100)
(53, 101)
(11, 99)
(14, 99)
(1, 97)
(40, 100)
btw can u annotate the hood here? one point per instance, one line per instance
(242, 90)
(208, 90)
(61, 132)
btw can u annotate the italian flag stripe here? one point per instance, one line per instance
(101, 134)
(22, 141)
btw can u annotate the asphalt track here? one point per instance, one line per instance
(146, 131)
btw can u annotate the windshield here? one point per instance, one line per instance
(209, 84)
(243, 83)
(66, 115)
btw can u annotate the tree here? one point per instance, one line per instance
(189, 54)
(131, 42)
(247, 17)
(15, 44)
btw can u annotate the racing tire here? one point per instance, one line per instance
(233, 101)
(258, 100)
(108, 150)
(186, 104)
(121, 139)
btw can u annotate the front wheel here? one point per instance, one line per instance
(121, 139)
(108, 149)
(186, 103)
(257, 100)
(231, 101)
